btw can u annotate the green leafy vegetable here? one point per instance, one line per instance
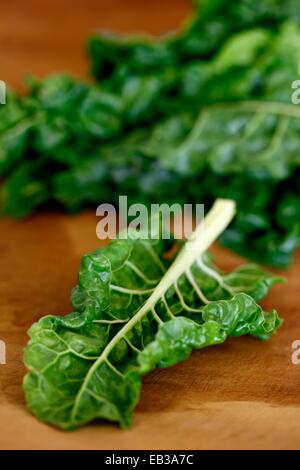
(134, 312)
(192, 116)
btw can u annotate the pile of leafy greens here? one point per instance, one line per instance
(136, 310)
(196, 115)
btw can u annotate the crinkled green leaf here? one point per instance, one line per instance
(130, 318)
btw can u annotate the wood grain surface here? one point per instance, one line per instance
(243, 394)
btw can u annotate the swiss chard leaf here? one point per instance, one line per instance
(253, 138)
(134, 313)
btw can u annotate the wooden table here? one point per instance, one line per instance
(243, 394)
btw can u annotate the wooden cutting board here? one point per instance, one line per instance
(243, 394)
